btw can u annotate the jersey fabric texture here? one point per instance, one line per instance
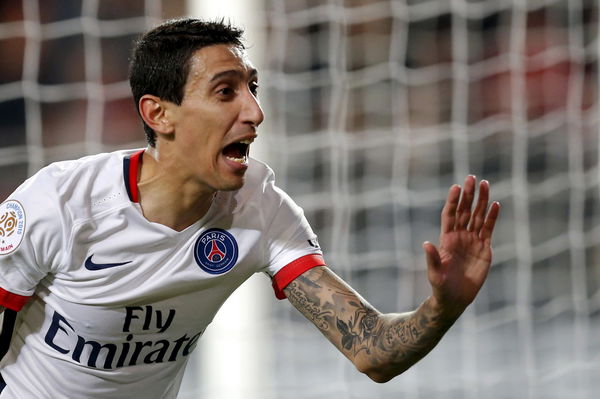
(110, 304)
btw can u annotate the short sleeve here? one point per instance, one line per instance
(30, 240)
(292, 246)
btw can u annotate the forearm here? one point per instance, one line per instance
(401, 340)
(381, 346)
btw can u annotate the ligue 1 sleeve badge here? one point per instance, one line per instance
(216, 251)
(12, 226)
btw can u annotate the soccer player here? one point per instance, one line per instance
(118, 262)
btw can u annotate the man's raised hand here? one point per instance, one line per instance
(458, 267)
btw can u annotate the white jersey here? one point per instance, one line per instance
(110, 304)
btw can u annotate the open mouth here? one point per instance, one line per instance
(238, 151)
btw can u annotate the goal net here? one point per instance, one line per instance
(374, 108)
(63, 81)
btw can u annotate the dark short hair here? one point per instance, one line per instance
(160, 59)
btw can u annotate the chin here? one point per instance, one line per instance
(233, 185)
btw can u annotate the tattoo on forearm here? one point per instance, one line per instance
(402, 340)
(361, 331)
(308, 306)
(413, 336)
(357, 327)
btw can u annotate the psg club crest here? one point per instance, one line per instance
(216, 251)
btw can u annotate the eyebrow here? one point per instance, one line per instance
(234, 72)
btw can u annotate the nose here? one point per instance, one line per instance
(252, 112)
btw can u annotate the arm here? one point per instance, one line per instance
(381, 346)
(385, 345)
(8, 324)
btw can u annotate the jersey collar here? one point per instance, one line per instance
(130, 174)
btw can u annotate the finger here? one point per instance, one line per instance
(490, 221)
(463, 212)
(449, 210)
(478, 216)
(432, 256)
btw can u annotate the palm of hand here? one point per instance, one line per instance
(465, 261)
(458, 269)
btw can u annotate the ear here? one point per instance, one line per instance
(153, 111)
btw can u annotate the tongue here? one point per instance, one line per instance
(234, 151)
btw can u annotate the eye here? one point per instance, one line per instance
(226, 91)
(254, 88)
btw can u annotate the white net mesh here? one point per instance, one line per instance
(63, 80)
(380, 106)
(374, 109)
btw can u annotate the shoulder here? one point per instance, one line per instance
(257, 179)
(259, 174)
(105, 166)
(260, 187)
(72, 188)
(258, 198)
(267, 196)
(58, 174)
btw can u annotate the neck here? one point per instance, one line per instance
(169, 198)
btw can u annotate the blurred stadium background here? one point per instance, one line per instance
(374, 107)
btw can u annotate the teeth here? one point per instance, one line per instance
(246, 141)
(238, 160)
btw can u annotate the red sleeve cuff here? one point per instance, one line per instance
(12, 301)
(292, 270)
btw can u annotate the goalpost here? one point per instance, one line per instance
(373, 108)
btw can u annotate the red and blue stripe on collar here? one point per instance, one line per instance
(131, 165)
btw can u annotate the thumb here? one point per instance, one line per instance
(432, 256)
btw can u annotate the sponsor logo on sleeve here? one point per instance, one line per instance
(12, 226)
(216, 251)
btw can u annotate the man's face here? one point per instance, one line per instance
(217, 119)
